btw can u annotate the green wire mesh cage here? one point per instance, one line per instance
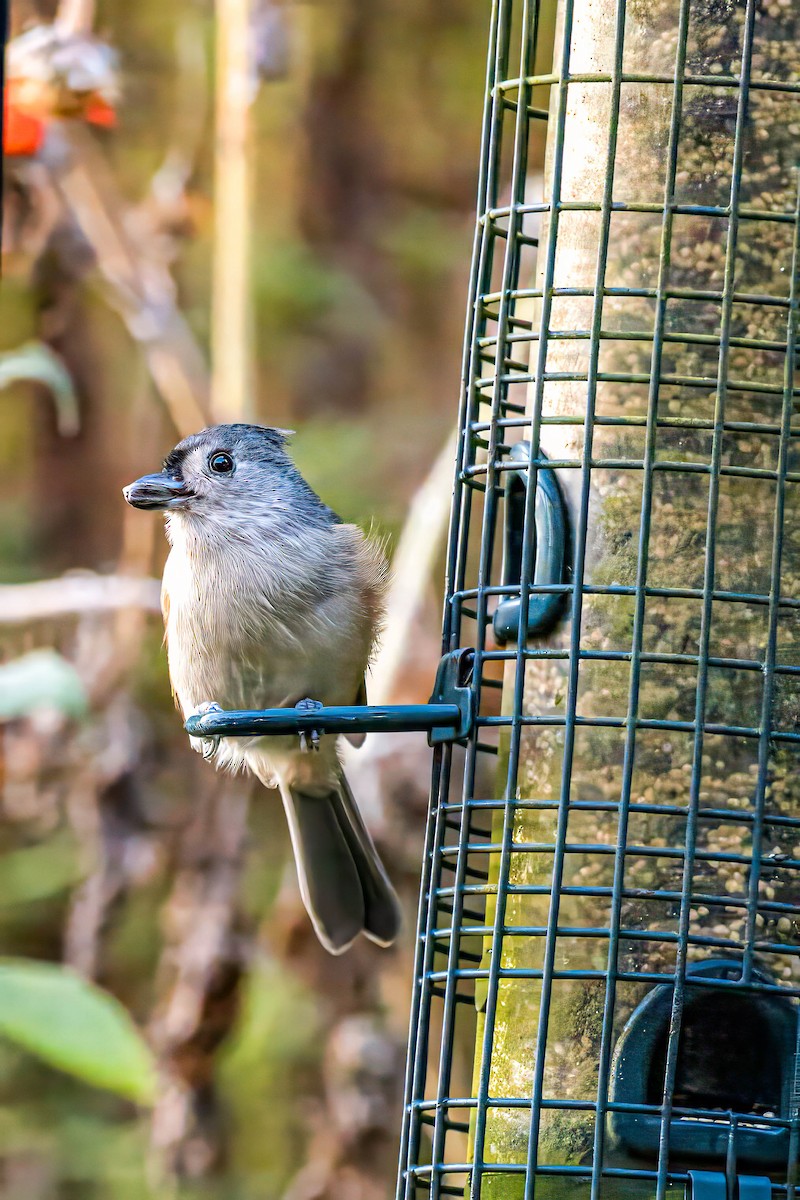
(608, 972)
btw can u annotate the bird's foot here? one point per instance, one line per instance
(310, 740)
(208, 745)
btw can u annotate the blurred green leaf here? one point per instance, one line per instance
(38, 872)
(276, 1049)
(37, 363)
(41, 679)
(73, 1025)
(294, 287)
(424, 243)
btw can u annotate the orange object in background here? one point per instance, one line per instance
(22, 133)
(99, 112)
(25, 116)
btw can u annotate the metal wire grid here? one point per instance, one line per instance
(465, 928)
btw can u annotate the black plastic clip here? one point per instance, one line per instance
(452, 686)
(736, 1055)
(754, 1187)
(552, 537)
(706, 1185)
(713, 1185)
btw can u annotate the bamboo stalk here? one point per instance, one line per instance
(231, 334)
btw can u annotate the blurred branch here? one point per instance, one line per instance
(202, 966)
(75, 16)
(75, 595)
(412, 567)
(270, 42)
(350, 1150)
(168, 185)
(351, 1131)
(138, 285)
(106, 809)
(231, 337)
(389, 774)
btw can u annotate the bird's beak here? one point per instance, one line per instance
(156, 491)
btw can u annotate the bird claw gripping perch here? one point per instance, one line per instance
(208, 745)
(310, 740)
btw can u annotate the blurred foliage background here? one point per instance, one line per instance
(121, 855)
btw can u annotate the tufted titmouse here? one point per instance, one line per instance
(270, 600)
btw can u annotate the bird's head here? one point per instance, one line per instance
(227, 473)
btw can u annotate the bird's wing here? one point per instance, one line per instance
(165, 615)
(357, 739)
(164, 605)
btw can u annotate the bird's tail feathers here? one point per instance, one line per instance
(342, 880)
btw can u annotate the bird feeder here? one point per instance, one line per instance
(608, 963)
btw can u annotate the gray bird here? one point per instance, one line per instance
(269, 601)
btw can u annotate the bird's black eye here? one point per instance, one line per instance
(220, 463)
